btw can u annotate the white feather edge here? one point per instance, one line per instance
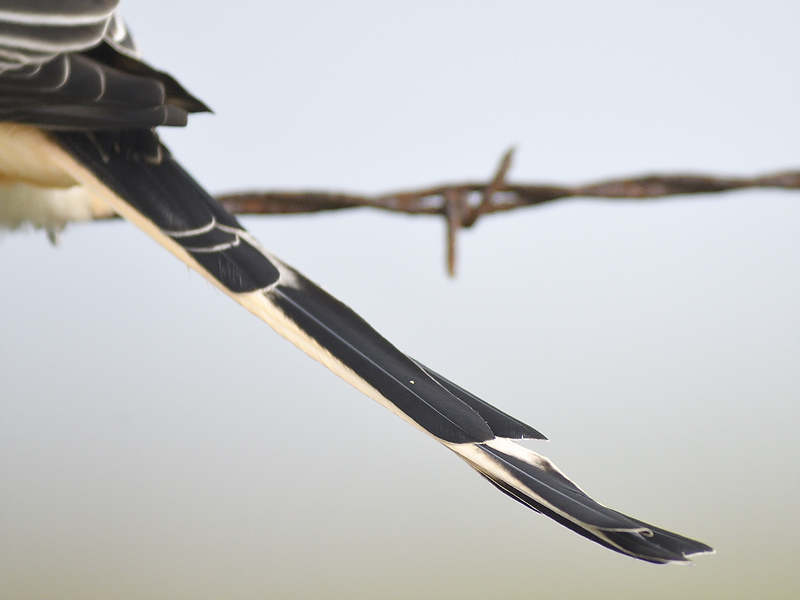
(50, 19)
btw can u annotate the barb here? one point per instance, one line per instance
(496, 185)
(454, 205)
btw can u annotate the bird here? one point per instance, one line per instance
(79, 112)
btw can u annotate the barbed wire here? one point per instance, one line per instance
(462, 204)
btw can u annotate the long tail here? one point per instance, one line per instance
(155, 193)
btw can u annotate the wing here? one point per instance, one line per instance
(33, 33)
(70, 64)
(68, 143)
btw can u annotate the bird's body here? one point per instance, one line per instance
(78, 110)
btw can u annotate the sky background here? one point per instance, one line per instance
(157, 441)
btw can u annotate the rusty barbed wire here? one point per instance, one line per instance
(462, 204)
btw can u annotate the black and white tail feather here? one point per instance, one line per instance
(78, 110)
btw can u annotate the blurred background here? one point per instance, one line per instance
(157, 441)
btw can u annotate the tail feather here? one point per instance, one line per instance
(535, 482)
(502, 424)
(156, 194)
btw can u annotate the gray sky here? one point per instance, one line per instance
(158, 441)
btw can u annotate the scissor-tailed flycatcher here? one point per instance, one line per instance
(78, 110)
